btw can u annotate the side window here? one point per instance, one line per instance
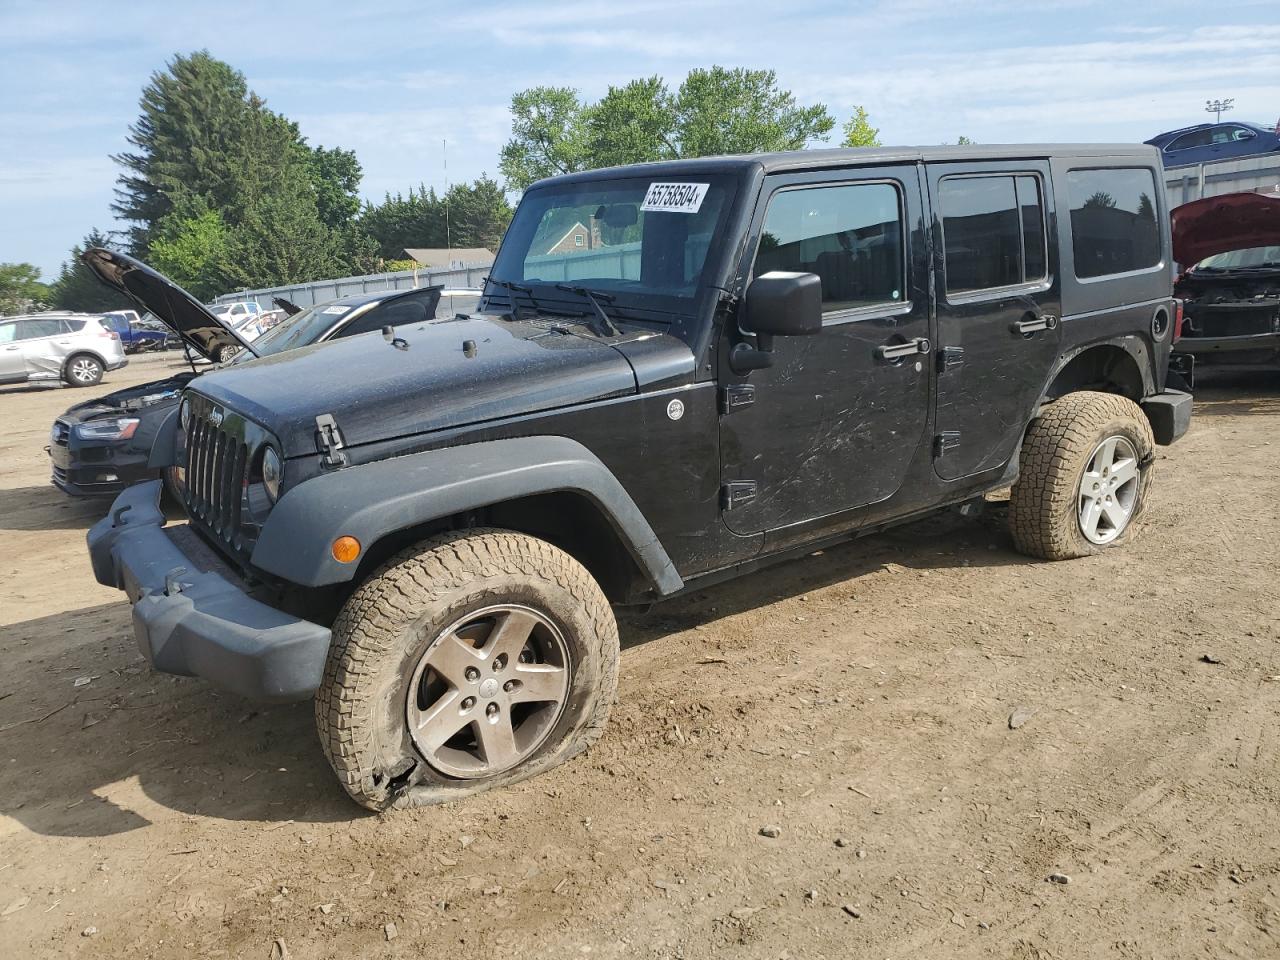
(1199, 138)
(394, 314)
(1113, 221)
(851, 236)
(992, 231)
(8, 332)
(1242, 133)
(70, 326)
(34, 329)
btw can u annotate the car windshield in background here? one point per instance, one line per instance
(646, 237)
(302, 328)
(1247, 259)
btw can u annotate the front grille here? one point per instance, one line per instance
(61, 432)
(214, 491)
(1242, 318)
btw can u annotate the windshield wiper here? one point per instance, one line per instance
(606, 326)
(515, 288)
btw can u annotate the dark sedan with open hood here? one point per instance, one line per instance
(1231, 294)
(104, 445)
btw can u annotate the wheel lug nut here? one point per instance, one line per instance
(468, 703)
(472, 674)
(509, 686)
(499, 662)
(491, 710)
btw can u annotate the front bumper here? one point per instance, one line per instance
(1202, 346)
(192, 617)
(1169, 414)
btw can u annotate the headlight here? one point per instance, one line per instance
(184, 413)
(272, 473)
(112, 428)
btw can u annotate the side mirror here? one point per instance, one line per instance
(777, 304)
(784, 304)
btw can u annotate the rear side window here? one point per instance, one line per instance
(851, 236)
(1113, 221)
(72, 326)
(33, 329)
(993, 231)
(1200, 138)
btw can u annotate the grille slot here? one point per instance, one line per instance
(216, 464)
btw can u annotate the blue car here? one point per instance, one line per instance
(1207, 142)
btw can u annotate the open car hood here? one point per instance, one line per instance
(180, 311)
(1233, 221)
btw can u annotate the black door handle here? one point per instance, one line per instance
(896, 351)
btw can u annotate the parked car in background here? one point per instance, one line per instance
(104, 445)
(236, 312)
(1207, 142)
(75, 348)
(1231, 296)
(139, 334)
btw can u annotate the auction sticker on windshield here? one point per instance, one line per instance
(674, 197)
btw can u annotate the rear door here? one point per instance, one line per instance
(44, 346)
(834, 423)
(999, 301)
(12, 367)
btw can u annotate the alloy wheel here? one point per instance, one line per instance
(488, 691)
(85, 370)
(1108, 492)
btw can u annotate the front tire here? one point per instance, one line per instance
(226, 353)
(467, 662)
(1084, 475)
(83, 370)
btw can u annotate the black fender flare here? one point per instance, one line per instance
(1132, 345)
(373, 500)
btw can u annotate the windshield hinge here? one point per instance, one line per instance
(329, 441)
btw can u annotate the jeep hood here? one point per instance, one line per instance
(1233, 221)
(438, 375)
(180, 311)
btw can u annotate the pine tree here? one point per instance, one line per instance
(78, 288)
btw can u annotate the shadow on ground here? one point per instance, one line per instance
(45, 507)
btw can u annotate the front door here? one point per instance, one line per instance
(833, 424)
(12, 365)
(998, 308)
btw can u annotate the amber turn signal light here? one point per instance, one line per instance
(345, 549)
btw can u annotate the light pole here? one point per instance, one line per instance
(1218, 107)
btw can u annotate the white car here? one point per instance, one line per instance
(76, 348)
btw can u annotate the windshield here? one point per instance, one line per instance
(304, 327)
(648, 238)
(1242, 259)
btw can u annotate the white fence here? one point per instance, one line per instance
(306, 294)
(1250, 175)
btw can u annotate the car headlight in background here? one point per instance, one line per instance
(272, 473)
(110, 428)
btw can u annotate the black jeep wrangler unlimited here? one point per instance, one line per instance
(679, 372)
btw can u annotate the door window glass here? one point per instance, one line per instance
(1200, 138)
(1113, 221)
(8, 332)
(993, 231)
(33, 329)
(851, 236)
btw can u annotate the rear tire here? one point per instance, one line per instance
(1084, 474)
(460, 639)
(226, 353)
(83, 370)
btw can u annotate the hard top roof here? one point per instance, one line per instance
(860, 156)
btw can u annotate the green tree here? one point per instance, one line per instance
(965, 141)
(335, 174)
(205, 142)
(859, 132)
(715, 111)
(21, 289)
(192, 251)
(477, 216)
(78, 288)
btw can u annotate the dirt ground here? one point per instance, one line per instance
(858, 700)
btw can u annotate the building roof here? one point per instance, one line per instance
(447, 257)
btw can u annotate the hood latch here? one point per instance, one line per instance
(329, 441)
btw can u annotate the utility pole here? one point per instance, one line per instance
(448, 240)
(1218, 107)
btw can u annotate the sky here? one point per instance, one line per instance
(395, 83)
